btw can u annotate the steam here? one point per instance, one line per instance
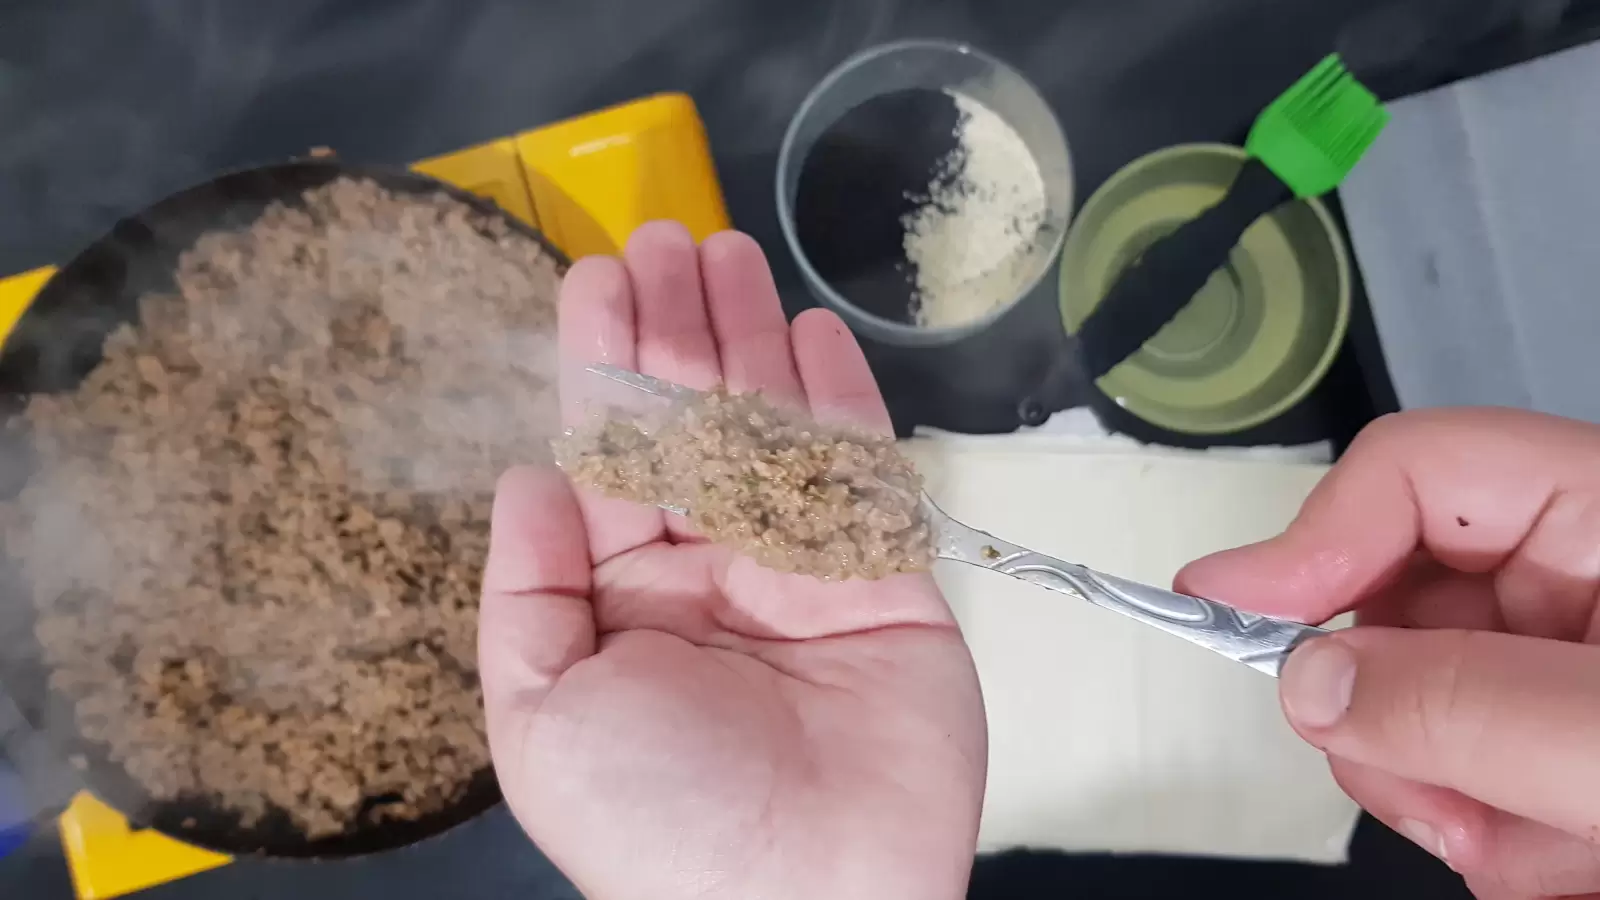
(451, 339)
(451, 440)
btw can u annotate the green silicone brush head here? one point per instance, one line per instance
(1316, 132)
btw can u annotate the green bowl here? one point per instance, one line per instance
(1261, 333)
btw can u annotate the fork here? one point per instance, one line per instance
(1261, 642)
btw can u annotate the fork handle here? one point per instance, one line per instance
(1260, 642)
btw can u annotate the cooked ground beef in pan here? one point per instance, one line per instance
(254, 532)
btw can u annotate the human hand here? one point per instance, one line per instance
(1465, 710)
(669, 720)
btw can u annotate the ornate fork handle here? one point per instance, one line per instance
(1260, 642)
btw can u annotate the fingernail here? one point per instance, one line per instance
(1426, 837)
(1317, 683)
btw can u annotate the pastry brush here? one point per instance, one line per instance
(1303, 145)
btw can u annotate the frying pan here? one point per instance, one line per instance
(55, 344)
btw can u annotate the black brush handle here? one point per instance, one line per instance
(1156, 287)
(1161, 282)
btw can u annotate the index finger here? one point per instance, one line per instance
(839, 384)
(1467, 485)
(597, 324)
(747, 319)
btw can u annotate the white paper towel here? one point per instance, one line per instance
(1106, 735)
(1475, 220)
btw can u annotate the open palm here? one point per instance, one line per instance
(669, 720)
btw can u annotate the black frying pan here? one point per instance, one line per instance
(53, 347)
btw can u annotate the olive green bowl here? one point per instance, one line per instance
(1261, 333)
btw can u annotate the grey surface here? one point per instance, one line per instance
(488, 858)
(1476, 223)
(106, 106)
(46, 782)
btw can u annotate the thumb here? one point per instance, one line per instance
(1511, 721)
(534, 619)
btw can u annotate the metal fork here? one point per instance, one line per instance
(1260, 642)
